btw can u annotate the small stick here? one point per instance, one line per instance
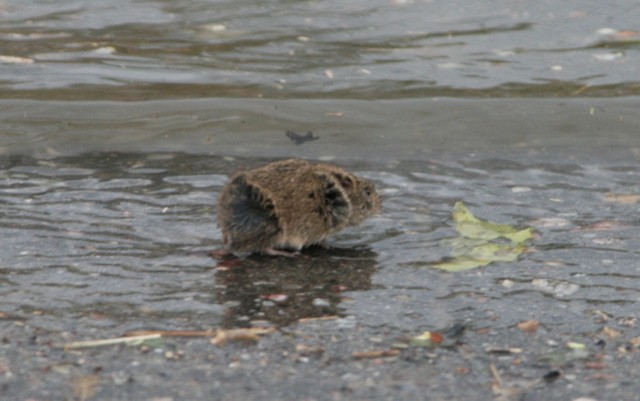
(110, 341)
(174, 333)
(495, 374)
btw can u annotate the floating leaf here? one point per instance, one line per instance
(473, 247)
(470, 226)
(460, 264)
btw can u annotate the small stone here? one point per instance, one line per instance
(507, 283)
(321, 303)
(119, 378)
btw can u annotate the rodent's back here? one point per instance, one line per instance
(309, 203)
(292, 204)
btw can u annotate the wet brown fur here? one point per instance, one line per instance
(291, 204)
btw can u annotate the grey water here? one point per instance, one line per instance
(120, 121)
(121, 240)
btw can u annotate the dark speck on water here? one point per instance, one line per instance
(300, 139)
(121, 121)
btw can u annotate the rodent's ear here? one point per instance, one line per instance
(337, 205)
(345, 180)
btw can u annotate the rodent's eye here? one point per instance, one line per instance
(367, 190)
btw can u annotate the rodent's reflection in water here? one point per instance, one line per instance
(283, 290)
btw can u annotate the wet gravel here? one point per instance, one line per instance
(314, 361)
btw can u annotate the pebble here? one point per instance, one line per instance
(321, 303)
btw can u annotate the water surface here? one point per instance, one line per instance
(129, 50)
(119, 241)
(120, 121)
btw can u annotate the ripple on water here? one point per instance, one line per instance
(118, 248)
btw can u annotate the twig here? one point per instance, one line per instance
(133, 340)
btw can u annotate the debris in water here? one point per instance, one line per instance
(300, 139)
(474, 246)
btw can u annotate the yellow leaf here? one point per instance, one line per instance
(470, 226)
(460, 264)
(473, 247)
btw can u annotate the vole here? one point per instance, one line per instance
(290, 204)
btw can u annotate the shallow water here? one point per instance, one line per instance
(547, 130)
(119, 241)
(120, 121)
